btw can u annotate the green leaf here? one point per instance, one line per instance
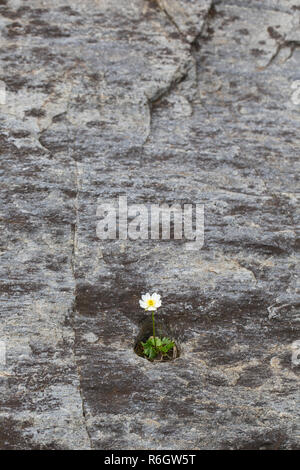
(149, 349)
(153, 347)
(152, 354)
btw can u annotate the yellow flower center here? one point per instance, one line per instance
(150, 303)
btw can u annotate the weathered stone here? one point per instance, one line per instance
(165, 102)
(187, 15)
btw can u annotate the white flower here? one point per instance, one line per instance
(150, 302)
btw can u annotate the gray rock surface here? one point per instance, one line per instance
(167, 101)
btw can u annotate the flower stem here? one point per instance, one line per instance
(153, 329)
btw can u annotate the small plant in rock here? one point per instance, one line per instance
(155, 347)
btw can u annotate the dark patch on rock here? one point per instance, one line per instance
(34, 112)
(254, 376)
(257, 52)
(12, 435)
(273, 33)
(14, 83)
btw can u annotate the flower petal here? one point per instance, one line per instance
(146, 296)
(156, 296)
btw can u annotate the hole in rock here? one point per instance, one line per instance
(162, 330)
